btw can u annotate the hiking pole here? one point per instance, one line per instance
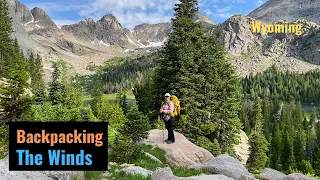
(163, 135)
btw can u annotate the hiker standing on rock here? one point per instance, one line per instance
(166, 111)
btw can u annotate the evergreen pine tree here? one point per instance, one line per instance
(38, 86)
(136, 126)
(276, 148)
(288, 159)
(55, 86)
(220, 103)
(64, 88)
(15, 98)
(177, 69)
(266, 119)
(6, 46)
(299, 148)
(316, 154)
(258, 143)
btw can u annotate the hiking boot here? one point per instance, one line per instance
(170, 142)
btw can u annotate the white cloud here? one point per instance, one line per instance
(260, 2)
(208, 12)
(223, 10)
(131, 12)
(224, 15)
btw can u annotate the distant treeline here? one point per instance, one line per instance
(119, 74)
(123, 73)
(285, 86)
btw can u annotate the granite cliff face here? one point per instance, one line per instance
(274, 11)
(42, 19)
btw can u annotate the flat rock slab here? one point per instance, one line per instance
(5, 174)
(225, 165)
(182, 153)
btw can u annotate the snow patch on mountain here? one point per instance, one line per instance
(101, 42)
(131, 41)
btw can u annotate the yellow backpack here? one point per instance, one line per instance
(176, 102)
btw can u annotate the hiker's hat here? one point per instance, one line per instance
(167, 95)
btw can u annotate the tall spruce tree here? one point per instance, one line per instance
(38, 86)
(177, 69)
(276, 148)
(6, 45)
(193, 67)
(316, 154)
(259, 145)
(299, 148)
(220, 102)
(14, 99)
(288, 159)
(64, 88)
(55, 86)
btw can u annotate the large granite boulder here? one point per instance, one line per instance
(297, 176)
(271, 174)
(182, 153)
(5, 174)
(166, 174)
(226, 165)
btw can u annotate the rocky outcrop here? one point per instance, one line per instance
(5, 174)
(23, 13)
(107, 31)
(206, 22)
(42, 19)
(166, 174)
(226, 165)
(271, 174)
(182, 153)
(242, 149)
(238, 36)
(274, 10)
(148, 35)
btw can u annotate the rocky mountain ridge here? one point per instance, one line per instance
(274, 11)
(90, 41)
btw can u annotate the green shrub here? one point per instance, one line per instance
(111, 113)
(47, 112)
(82, 114)
(124, 151)
(306, 167)
(212, 147)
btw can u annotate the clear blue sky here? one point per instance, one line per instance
(133, 12)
